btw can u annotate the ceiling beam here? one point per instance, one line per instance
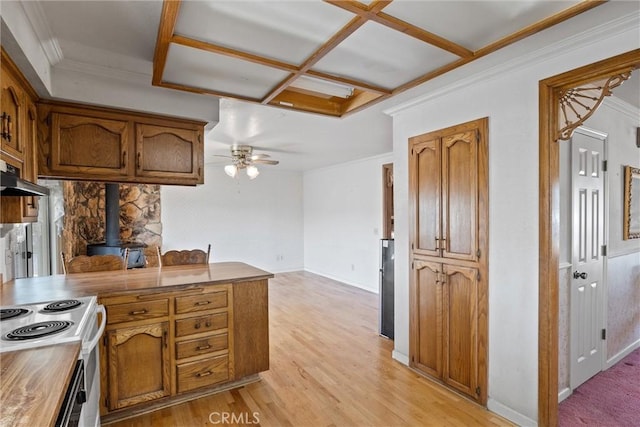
(402, 26)
(323, 50)
(166, 28)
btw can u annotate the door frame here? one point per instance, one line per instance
(549, 221)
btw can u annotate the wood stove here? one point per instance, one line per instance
(113, 244)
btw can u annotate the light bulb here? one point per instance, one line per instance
(252, 172)
(231, 170)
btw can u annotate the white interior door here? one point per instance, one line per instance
(587, 296)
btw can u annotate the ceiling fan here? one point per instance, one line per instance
(242, 157)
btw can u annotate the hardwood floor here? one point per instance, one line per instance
(329, 367)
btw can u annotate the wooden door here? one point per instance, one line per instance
(459, 238)
(12, 116)
(586, 296)
(460, 328)
(425, 191)
(428, 311)
(138, 364)
(168, 152)
(89, 145)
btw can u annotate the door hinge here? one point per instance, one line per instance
(477, 391)
(412, 246)
(604, 165)
(604, 334)
(603, 250)
(412, 266)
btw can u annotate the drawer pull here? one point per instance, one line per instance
(208, 324)
(203, 303)
(203, 374)
(197, 326)
(133, 313)
(203, 347)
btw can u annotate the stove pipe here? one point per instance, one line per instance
(112, 214)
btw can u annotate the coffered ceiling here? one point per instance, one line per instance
(334, 57)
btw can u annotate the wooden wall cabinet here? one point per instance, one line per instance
(18, 135)
(449, 246)
(90, 143)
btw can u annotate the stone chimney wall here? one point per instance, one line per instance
(84, 219)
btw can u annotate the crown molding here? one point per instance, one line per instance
(38, 20)
(103, 71)
(601, 32)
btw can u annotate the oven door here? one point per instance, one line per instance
(71, 410)
(91, 357)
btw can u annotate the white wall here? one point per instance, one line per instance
(259, 222)
(508, 95)
(343, 221)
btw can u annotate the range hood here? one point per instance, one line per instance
(11, 185)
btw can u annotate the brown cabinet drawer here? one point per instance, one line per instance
(190, 348)
(137, 311)
(201, 302)
(202, 373)
(205, 323)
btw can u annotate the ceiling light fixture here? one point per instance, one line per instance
(323, 86)
(252, 172)
(242, 157)
(231, 170)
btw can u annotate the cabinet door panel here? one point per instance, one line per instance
(30, 203)
(425, 180)
(460, 195)
(167, 152)
(88, 145)
(138, 364)
(12, 107)
(428, 297)
(461, 328)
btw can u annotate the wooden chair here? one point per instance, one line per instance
(195, 256)
(84, 263)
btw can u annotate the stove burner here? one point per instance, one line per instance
(58, 306)
(10, 313)
(38, 330)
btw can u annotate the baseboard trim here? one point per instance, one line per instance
(564, 393)
(341, 280)
(510, 414)
(400, 357)
(622, 354)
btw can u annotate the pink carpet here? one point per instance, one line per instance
(610, 399)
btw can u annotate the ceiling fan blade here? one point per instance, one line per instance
(221, 155)
(265, 162)
(259, 156)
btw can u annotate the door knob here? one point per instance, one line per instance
(578, 275)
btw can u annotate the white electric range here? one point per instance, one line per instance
(56, 322)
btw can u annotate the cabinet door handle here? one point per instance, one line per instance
(138, 161)
(203, 347)
(164, 338)
(437, 243)
(203, 302)
(203, 374)
(8, 129)
(134, 313)
(124, 159)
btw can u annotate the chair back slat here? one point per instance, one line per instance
(85, 264)
(183, 257)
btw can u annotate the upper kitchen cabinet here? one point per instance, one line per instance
(18, 139)
(91, 143)
(163, 152)
(13, 112)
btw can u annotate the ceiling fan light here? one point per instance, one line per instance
(252, 172)
(231, 170)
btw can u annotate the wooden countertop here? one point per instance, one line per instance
(36, 289)
(33, 383)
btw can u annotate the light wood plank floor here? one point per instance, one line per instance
(329, 367)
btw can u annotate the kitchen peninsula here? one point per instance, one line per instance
(172, 334)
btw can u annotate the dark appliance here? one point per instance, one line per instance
(112, 244)
(386, 287)
(12, 185)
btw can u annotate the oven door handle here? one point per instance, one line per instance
(94, 341)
